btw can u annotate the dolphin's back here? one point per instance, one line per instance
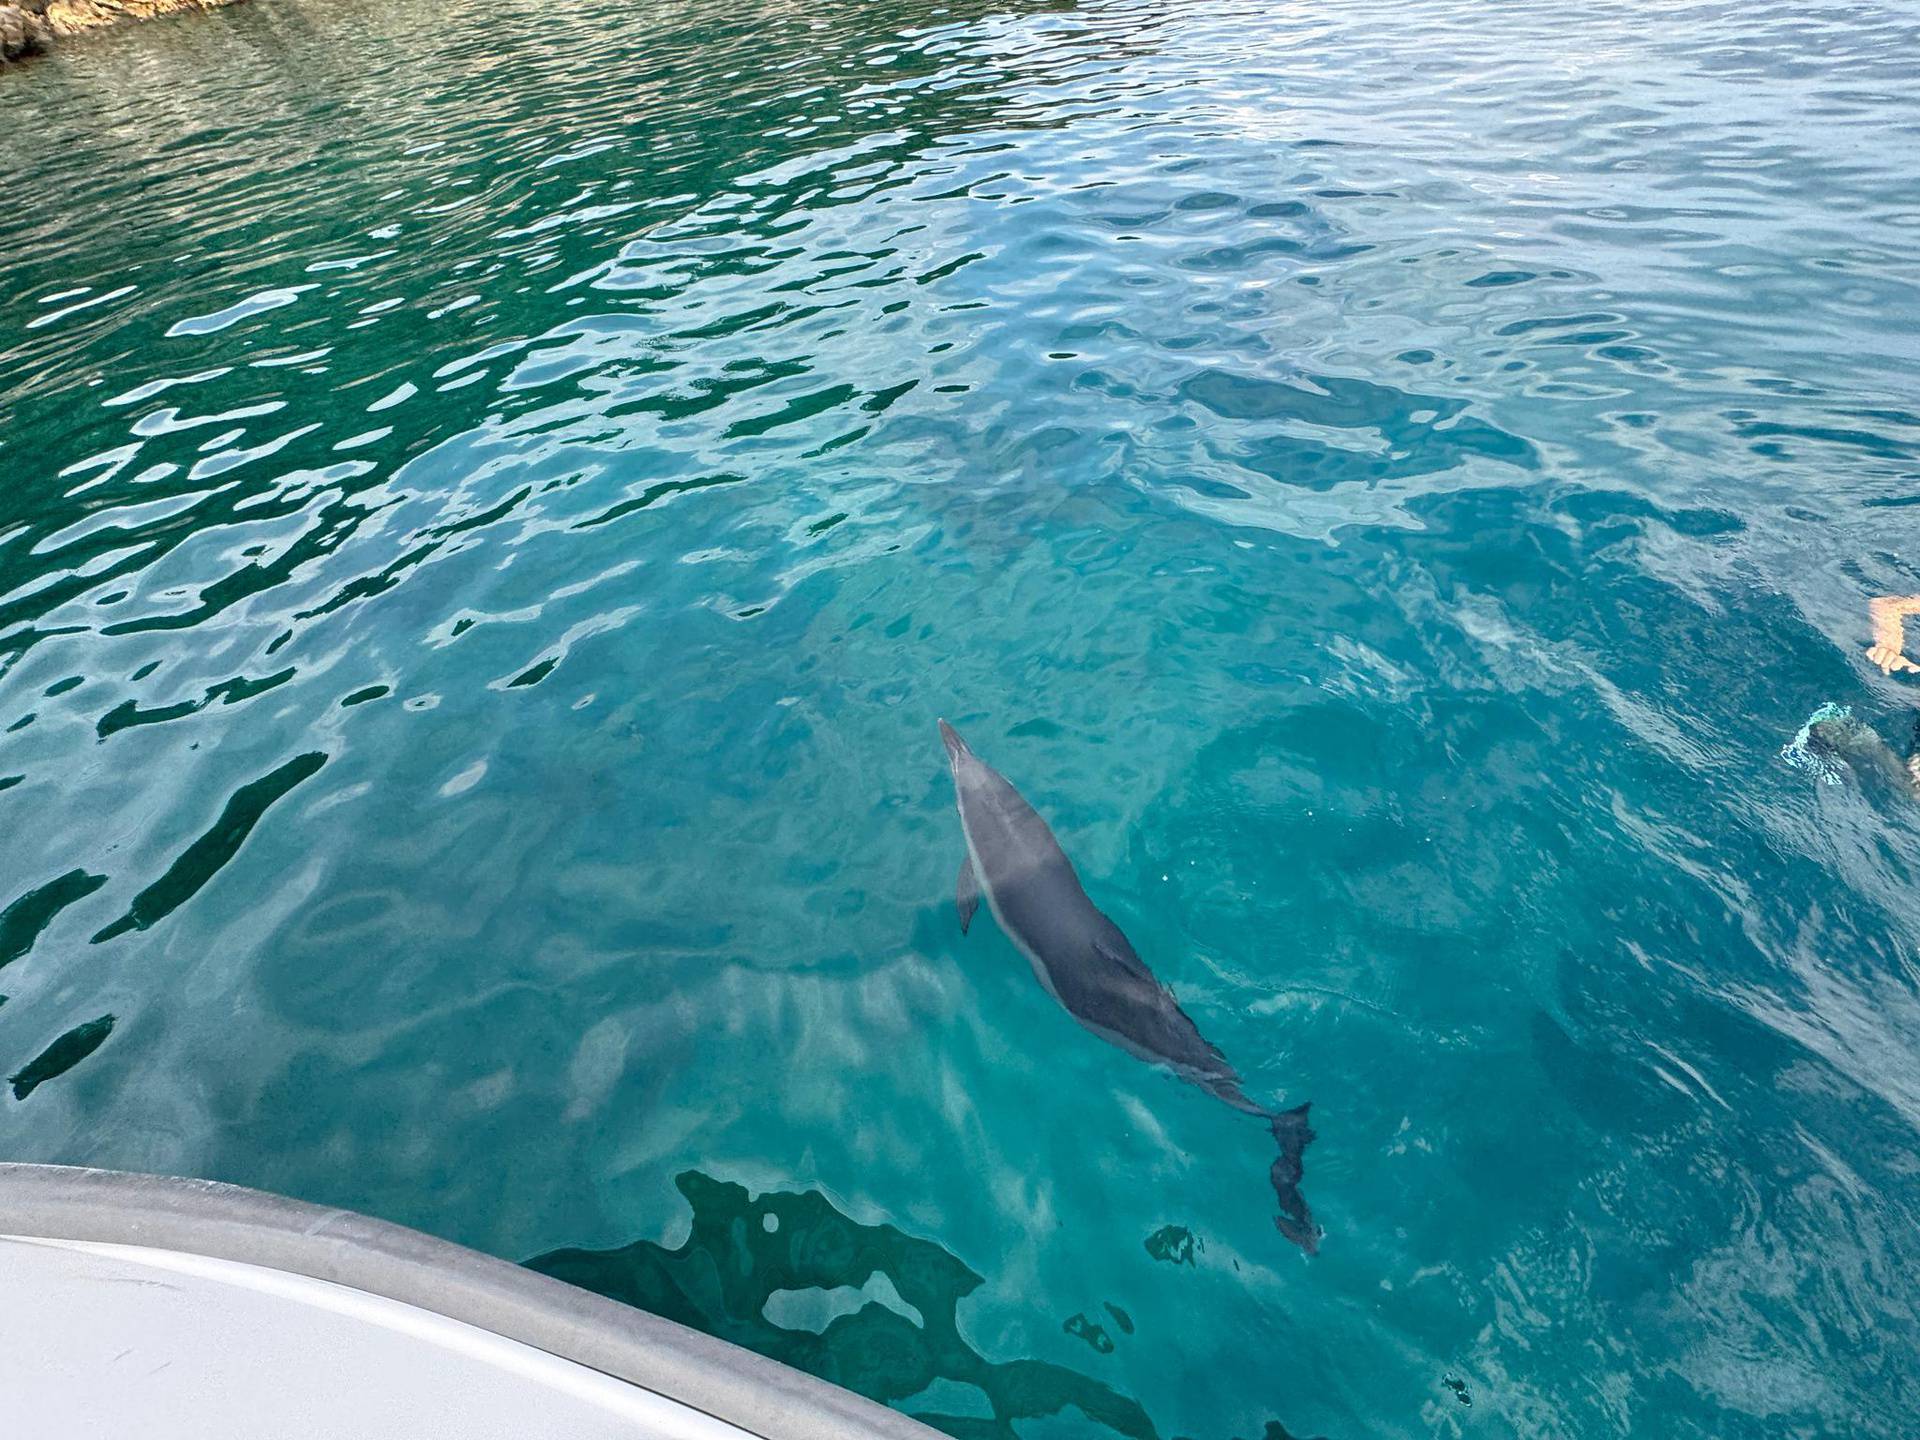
(1083, 959)
(1080, 955)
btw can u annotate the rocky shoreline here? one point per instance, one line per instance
(32, 27)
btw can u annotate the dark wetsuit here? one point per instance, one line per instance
(1832, 740)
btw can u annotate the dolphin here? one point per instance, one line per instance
(1087, 965)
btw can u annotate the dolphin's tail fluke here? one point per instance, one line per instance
(1295, 1220)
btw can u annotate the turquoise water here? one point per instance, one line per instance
(496, 497)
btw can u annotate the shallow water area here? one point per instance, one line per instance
(497, 496)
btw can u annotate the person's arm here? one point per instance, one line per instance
(1889, 635)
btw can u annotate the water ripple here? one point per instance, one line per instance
(496, 496)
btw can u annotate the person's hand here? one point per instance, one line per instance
(1888, 651)
(1889, 659)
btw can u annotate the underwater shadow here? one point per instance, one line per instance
(743, 1250)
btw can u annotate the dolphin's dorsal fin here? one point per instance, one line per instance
(966, 893)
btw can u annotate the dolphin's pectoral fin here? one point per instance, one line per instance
(966, 894)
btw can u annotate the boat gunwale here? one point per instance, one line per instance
(230, 1222)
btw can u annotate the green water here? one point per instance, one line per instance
(495, 498)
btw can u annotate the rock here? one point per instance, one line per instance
(22, 32)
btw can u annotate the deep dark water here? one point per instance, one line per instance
(493, 498)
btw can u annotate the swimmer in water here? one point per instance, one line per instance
(1833, 742)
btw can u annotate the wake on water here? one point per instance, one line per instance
(1817, 760)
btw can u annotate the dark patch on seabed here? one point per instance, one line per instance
(1174, 1244)
(1274, 1431)
(1091, 1331)
(743, 1249)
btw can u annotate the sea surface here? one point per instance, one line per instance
(494, 498)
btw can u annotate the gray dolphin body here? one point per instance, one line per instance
(1086, 964)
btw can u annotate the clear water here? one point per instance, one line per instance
(497, 495)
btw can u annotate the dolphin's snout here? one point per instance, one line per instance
(956, 747)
